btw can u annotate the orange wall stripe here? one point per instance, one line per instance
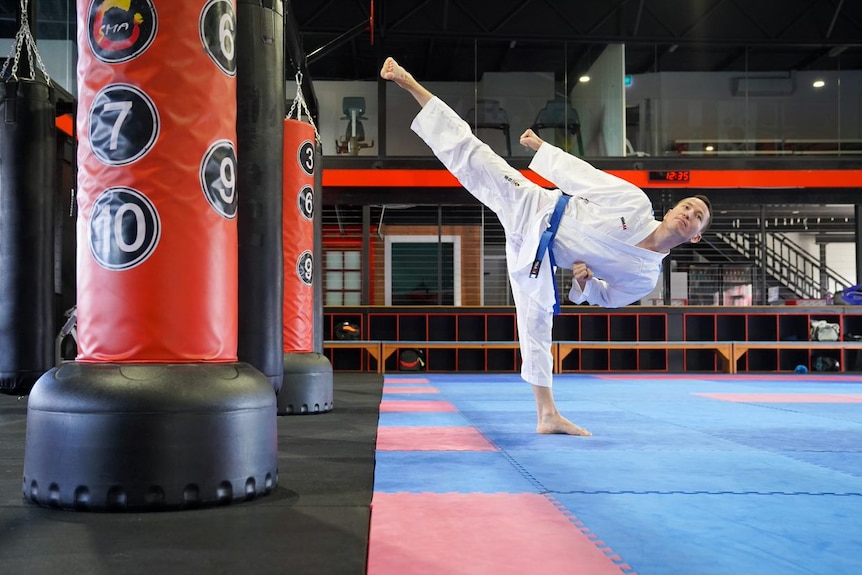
(698, 179)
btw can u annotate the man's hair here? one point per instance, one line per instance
(705, 200)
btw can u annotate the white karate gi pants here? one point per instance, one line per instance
(523, 208)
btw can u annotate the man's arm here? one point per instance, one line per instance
(589, 289)
(598, 292)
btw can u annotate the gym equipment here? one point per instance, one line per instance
(157, 411)
(354, 137)
(260, 113)
(27, 183)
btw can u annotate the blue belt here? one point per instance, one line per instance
(545, 246)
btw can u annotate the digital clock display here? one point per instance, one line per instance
(670, 176)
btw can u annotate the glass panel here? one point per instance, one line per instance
(742, 106)
(334, 281)
(352, 260)
(334, 298)
(335, 259)
(352, 280)
(351, 298)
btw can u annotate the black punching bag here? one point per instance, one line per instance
(259, 121)
(27, 175)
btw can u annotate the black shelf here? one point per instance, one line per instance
(591, 324)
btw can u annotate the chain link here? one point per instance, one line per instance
(24, 39)
(299, 106)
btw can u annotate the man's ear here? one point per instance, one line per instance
(695, 239)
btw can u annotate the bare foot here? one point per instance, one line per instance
(393, 71)
(558, 424)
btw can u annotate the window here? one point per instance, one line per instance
(423, 270)
(343, 284)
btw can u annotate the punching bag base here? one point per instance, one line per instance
(18, 383)
(307, 387)
(150, 437)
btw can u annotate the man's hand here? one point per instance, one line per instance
(582, 274)
(530, 139)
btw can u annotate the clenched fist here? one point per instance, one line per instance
(581, 273)
(530, 139)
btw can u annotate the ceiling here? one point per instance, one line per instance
(456, 39)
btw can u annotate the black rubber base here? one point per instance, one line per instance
(307, 387)
(18, 383)
(129, 437)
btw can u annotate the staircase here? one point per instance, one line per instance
(787, 262)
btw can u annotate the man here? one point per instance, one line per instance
(607, 233)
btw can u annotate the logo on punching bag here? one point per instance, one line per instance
(124, 124)
(119, 30)
(305, 267)
(218, 178)
(124, 228)
(217, 29)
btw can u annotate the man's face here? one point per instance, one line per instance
(688, 218)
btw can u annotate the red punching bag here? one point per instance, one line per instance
(298, 233)
(157, 240)
(307, 373)
(157, 411)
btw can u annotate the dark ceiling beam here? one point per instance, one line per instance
(573, 30)
(476, 21)
(671, 35)
(703, 17)
(394, 25)
(726, 62)
(319, 12)
(612, 11)
(343, 38)
(638, 18)
(582, 38)
(809, 59)
(834, 18)
(512, 13)
(799, 17)
(751, 19)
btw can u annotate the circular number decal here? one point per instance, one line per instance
(305, 267)
(119, 31)
(306, 157)
(218, 178)
(124, 124)
(218, 34)
(124, 228)
(306, 202)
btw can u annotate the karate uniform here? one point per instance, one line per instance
(604, 220)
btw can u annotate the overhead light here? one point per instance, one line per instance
(583, 79)
(818, 83)
(709, 148)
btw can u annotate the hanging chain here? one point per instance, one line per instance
(24, 39)
(299, 106)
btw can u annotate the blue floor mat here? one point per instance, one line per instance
(672, 481)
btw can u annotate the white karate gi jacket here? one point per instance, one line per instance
(601, 226)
